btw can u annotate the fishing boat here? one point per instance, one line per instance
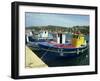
(33, 40)
(74, 47)
(70, 48)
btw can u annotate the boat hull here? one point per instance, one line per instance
(64, 52)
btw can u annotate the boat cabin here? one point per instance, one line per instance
(61, 38)
(78, 40)
(43, 35)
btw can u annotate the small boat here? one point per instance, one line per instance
(33, 41)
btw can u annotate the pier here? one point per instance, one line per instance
(32, 60)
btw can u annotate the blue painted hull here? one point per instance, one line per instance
(64, 52)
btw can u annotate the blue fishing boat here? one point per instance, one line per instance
(74, 47)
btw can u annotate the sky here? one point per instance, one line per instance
(65, 20)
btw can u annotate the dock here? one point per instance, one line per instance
(32, 60)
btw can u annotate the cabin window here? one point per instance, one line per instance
(75, 36)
